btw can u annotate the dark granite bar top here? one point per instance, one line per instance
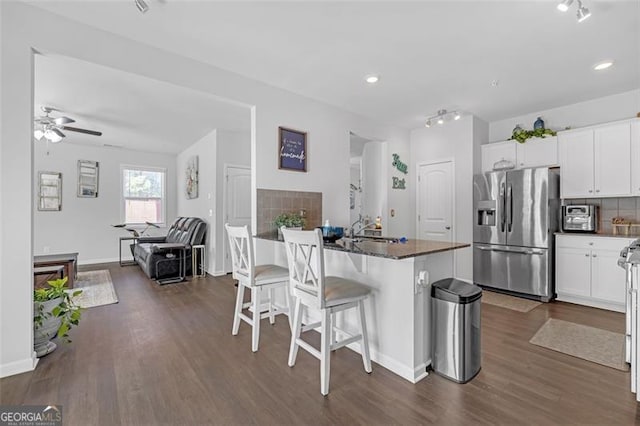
(382, 247)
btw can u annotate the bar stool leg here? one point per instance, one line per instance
(272, 317)
(238, 309)
(295, 335)
(255, 335)
(325, 352)
(364, 347)
(290, 307)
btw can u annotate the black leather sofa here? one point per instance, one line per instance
(169, 257)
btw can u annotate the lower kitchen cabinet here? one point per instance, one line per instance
(587, 272)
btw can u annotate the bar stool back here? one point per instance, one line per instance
(255, 278)
(311, 288)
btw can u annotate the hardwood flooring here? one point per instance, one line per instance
(165, 355)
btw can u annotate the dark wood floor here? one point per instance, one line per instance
(165, 355)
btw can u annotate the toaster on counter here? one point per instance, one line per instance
(580, 218)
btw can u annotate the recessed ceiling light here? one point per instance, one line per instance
(371, 79)
(602, 65)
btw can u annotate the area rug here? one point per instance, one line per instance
(97, 289)
(509, 302)
(589, 343)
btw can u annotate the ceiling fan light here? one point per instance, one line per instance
(440, 120)
(428, 123)
(564, 5)
(456, 116)
(38, 134)
(141, 5)
(51, 135)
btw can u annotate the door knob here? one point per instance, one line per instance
(447, 227)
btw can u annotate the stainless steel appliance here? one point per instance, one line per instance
(630, 261)
(515, 217)
(580, 218)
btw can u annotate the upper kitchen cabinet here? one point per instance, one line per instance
(535, 152)
(635, 158)
(494, 152)
(596, 162)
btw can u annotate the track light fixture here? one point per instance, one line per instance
(442, 116)
(583, 12)
(141, 5)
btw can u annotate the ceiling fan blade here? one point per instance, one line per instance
(58, 132)
(64, 120)
(76, 129)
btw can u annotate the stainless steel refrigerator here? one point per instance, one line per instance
(515, 217)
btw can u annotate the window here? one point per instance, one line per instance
(143, 194)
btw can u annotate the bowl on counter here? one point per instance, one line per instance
(332, 233)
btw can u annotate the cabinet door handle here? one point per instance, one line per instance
(586, 255)
(595, 255)
(591, 243)
(590, 191)
(597, 190)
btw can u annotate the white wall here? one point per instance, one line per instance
(458, 141)
(84, 224)
(374, 188)
(403, 223)
(601, 110)
(200, 207)
(25, 28)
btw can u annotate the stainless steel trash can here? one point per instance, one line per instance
(455, 329)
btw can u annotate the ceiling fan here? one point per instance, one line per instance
(51, 127)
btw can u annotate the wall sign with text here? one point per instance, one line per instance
(292, 154)
(396, 182)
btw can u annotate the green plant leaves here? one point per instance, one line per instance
(522, 135)
(66, 309)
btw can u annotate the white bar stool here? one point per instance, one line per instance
(256, 278)
(305, 254)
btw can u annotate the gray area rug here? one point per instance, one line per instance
(509, 302)
(97, 289)
(589, 343)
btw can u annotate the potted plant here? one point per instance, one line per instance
(289, 220)
(521, 135)
(55, 313)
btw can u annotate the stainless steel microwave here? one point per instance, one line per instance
(580, 218)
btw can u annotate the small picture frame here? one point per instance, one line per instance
(49, 191)
(292, 150)
(88, 175)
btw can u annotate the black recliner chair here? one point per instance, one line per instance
(168, 259)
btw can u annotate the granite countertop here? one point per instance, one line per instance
(596, 234)
(382, 247)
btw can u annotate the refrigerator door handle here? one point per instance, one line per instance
(510, 213)
(525, 251)
(503, 205)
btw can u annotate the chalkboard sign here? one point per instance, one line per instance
(292, 154)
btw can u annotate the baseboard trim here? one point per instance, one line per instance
(594, 303)
(18, 367)
(218, 273)
(97, 261)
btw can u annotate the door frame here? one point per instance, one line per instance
(225, 205)
(453, 200)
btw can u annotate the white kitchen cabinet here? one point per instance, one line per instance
(612, 166)
(635, 158)
(537, 152)
(596, 162)
(494, 152)
(587, 272)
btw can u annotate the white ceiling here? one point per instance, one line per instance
(430, 54)
(131, 111)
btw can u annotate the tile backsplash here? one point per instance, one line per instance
(271, 203)
(627, 207)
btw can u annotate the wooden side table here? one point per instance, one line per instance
(197, 259)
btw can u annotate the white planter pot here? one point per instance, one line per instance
(42, 335)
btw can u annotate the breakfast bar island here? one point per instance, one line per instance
(398, 310)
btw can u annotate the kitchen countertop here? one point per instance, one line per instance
(381, 247)
(597, 235)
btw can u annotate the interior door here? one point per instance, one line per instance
(238, 206)
(435, 201)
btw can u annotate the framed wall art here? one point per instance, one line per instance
(191, 182)
(88, 174)
(292, 153)
(49, 191)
